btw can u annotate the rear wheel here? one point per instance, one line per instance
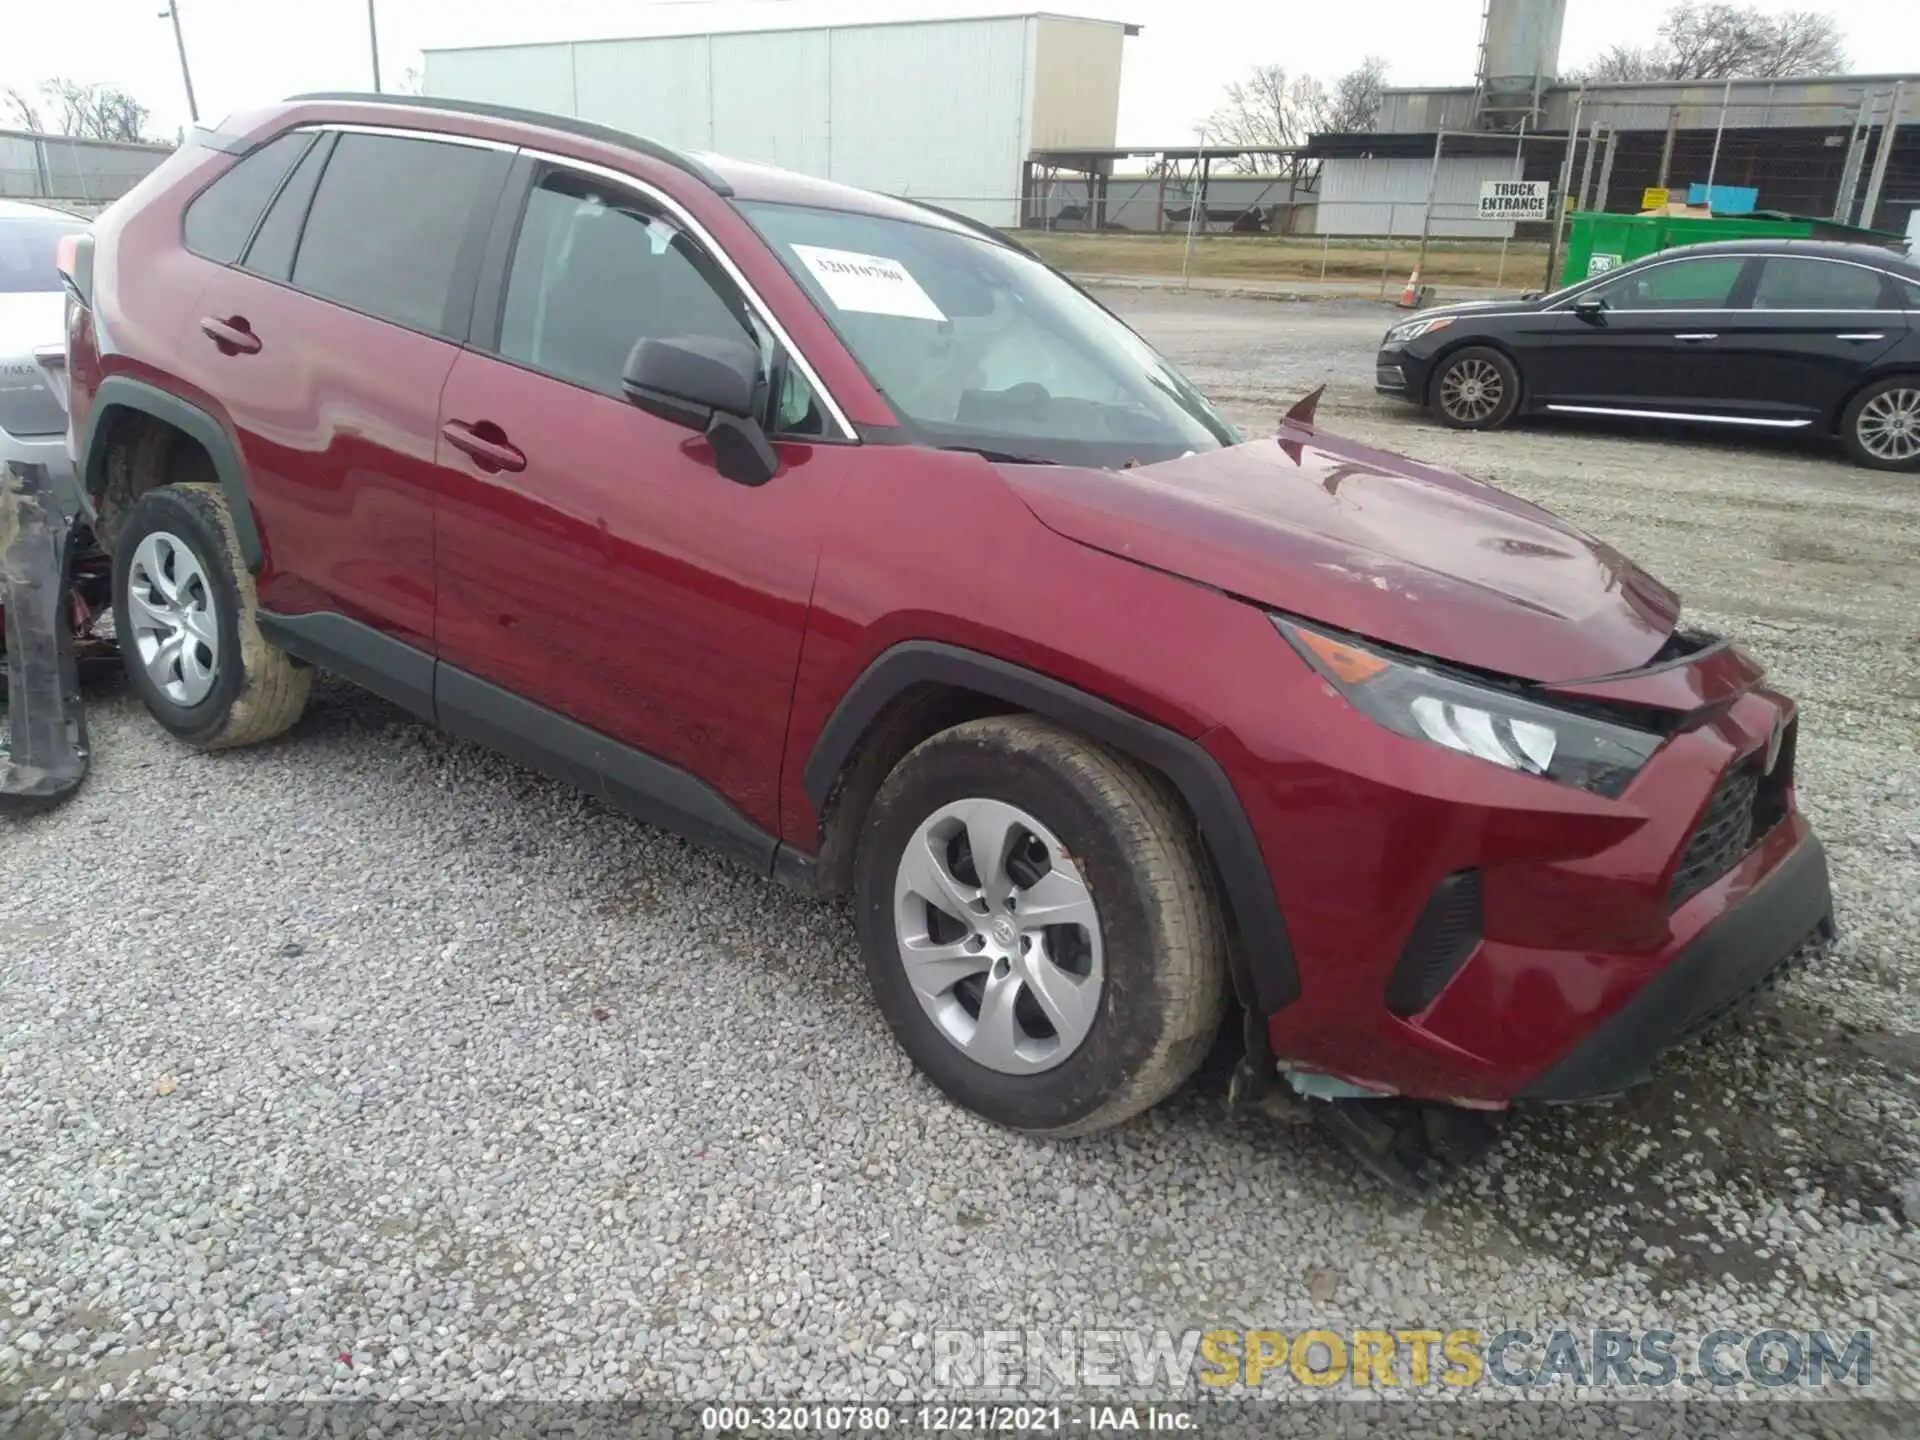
(1477, 388)
(1038, 926)
(1881, 428)
(183, 611)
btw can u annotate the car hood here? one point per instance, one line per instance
(1376, 544)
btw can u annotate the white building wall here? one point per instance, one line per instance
(1389, 197)
(944, 110)
(1076, 84)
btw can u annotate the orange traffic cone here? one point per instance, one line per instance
(1410, 297)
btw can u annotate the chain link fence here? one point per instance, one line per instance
(70, 172)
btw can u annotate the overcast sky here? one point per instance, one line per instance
(244, 52)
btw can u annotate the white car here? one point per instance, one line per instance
(33, 373)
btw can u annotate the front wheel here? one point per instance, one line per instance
(1038, 926)
(1477, 388)
(1881, 428)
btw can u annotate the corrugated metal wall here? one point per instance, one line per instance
(60, 167)
(1382, 197)
(944, 111)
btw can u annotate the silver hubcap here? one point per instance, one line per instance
(999, 936)
(176, 632)
(1889, 427)
(1472, 390)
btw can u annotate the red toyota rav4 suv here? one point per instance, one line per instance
(842, 533)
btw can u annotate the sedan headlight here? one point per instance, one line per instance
(1495, 725)
(1414, 329)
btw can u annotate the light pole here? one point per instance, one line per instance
(172, 12)
(373, 45)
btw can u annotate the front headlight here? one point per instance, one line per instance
(1476, 719)
(1414, 329)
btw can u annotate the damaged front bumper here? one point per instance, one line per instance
(44, 755)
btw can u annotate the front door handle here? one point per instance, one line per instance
(1696, 339)
(233, 335)
(1857, 339)
(487, 443)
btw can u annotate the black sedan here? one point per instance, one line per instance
(1770, 335)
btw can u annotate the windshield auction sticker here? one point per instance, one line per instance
(868, 284)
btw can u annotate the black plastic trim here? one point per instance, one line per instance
(1724, 966)
(388, 667)
(1262, 930)
(1448, 931)
(564, 124)
(122, 392)
(496, 256)
(627, 779)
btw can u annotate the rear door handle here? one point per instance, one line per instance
(487, 443)
(1859, 338)
(234, 336)
(1697, 338)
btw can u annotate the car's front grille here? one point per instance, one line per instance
(1747, 804)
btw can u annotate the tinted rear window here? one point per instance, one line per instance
(1799, 283)
(388, 224)
(221, 219)
(27, 253)
(271, 253)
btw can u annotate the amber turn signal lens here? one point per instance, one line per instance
(1348, 663)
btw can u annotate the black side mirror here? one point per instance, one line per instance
(1590, 308)
(709, 384)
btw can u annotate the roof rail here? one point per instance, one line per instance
(585, 129)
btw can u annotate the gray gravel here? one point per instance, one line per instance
(366, 1064)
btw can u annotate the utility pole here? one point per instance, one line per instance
(186, 76)
(373, 45)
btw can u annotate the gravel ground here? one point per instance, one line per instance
(366, 1064)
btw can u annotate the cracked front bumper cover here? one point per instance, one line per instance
(44, 758)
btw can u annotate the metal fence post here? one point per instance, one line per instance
(1713, 165)
(1519, 173)
(1426, 215)
(1566, 185)
(1326, 248)
(1889, 136)
(1856, 157)
(1193, 218)
(1386, 264)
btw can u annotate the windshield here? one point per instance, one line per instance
(26, 253)
(979, 347)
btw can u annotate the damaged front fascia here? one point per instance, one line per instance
(45, 755)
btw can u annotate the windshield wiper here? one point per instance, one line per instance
(999, 457)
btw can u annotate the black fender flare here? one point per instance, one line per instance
(1270, 980)
(123, 392)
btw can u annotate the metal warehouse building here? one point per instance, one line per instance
(941, 110)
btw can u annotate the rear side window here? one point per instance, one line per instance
(221, 218)
(27, 253)
(1703, 284)
(1803, 284)
(390, 224)
(271, 253)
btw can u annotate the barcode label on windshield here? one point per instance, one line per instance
(868, 284)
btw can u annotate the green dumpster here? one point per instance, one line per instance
(1601, 242)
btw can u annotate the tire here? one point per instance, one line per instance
(237, 691)
(1156, 945)
(1880, 428)
(1475, 370)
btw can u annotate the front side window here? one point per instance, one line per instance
(1798, 283)
(27, 249)
(384, 235)
(1704, 284)
(597, 269)
(977, 346)
(221, 218)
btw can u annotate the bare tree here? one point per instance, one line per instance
(1727, 42)
(1271, 110)
(23, 112)
(412, 82)
(1355, 106)
(70, 107)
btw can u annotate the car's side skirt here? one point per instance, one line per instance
(1687, 416)
(627, 778)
